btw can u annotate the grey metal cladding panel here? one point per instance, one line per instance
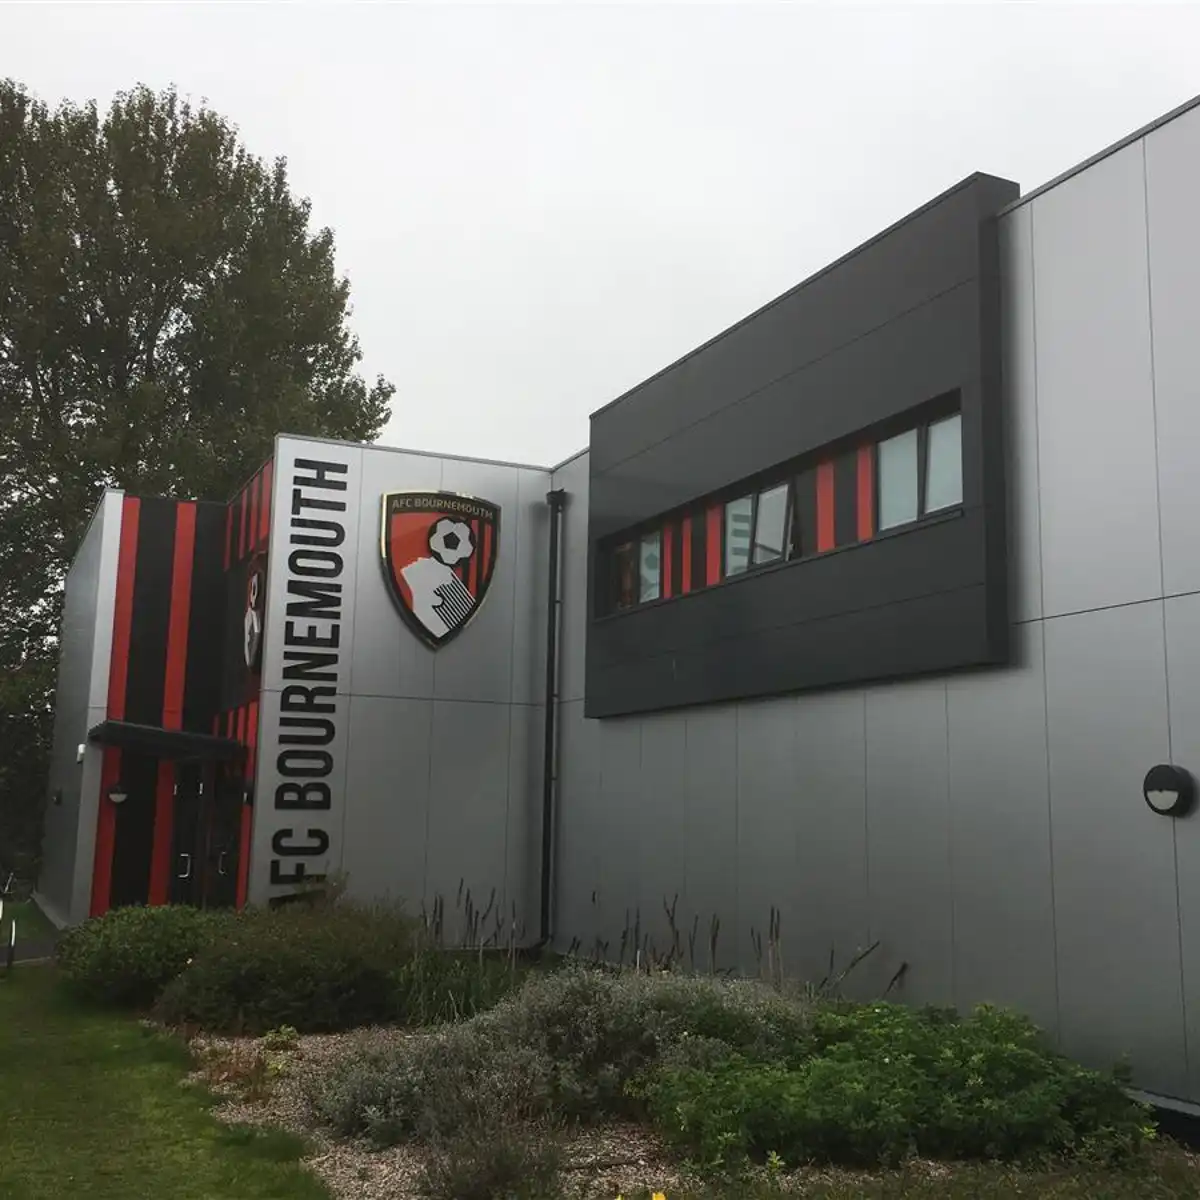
(927, 254)
(914, 358)
(766, 824)
(931, 634)
(1096, 452)
(830, 831)
(616, 839)
(1173, 200)
(90, 775)
(387, 659)
(478, 663)
(523, 864)
(1183, 653)
(939, 557)
(531, 517)
(468, 805)
(659, 836)
(574, 579)
(1019, 372)
(908, 838)
(1000, 837)
(1114, 865)
(711, 829)
(578, 816)
(387, 798)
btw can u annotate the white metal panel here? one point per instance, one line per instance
(830, 798)
(616, 833)
(711, 831)
(1183, 675)
(1173, 200)
(1114, 865)
(387, 798)
(1000, 836)
(530, 524)
(468, 806)
(908, 838)
(579, 815)
(1096, 452)
(523, 838)
(573, 478)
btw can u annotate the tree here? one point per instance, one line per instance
(164, 312)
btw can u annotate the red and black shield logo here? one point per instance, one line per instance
(439, 555)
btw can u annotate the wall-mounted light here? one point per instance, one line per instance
(1169, 791)
(80, 751)
(118, 793)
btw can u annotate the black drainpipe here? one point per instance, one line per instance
(556, 500)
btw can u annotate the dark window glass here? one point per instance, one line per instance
(771, 525)
(625, 576)
(650, 567)
(943, 472)
(738, 516)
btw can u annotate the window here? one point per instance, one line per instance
(898, 491)
(943, 471)
(650, 567)
(771, 525)
(624, 576)
(739, 516)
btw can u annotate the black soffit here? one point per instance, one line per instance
(165, 743)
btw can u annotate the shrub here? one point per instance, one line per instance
(127, 956)
(457, 1078)
(316, 969)
(511, 1163)
(885, 1081)
(567, 1043)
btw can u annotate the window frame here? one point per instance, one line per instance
(788, 475)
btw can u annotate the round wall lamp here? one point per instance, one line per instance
(1169, 791)
(118, 793)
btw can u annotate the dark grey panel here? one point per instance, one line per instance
(912, 318)
(928, 253)
(920, 355)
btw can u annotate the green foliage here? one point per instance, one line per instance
(317, 969)
(165, 310)
(128, 956)
(883, 1082)
(283, 1038)
(437, 985)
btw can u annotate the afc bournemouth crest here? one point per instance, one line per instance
(252, 622)
(439, 555)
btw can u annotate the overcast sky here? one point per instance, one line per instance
(538, 206)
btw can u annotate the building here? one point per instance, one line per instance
(876, 611)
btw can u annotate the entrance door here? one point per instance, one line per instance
(187, 850)
(206, 836)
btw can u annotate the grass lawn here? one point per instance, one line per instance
(93, 1105)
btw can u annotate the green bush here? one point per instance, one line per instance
(127, 956)
(317, 969)
(567, 1043)
(459, 1077)
(884, 1082)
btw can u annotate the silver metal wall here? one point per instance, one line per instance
(81, 701)
(437, 756)
(988, 829)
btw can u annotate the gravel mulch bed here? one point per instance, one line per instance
(599, 1162)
